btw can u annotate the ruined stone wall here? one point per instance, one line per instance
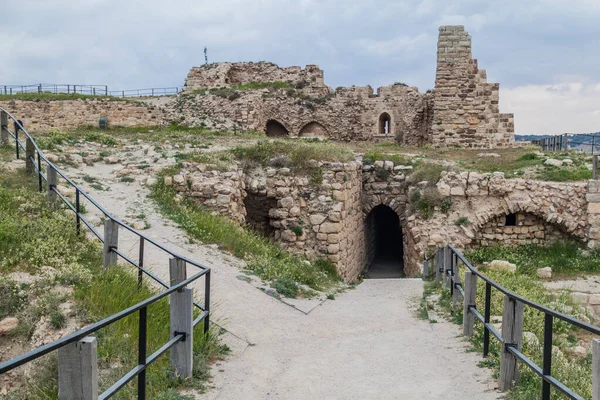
(466, 111)
(47, 115)
(481, 198)
(350, 114)
(316, 220)
(330, 219)
(528, 229)
(227, 74)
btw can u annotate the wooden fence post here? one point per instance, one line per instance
(29, 156)
(78, 370)
(3, 127)
(447, 266)
(566, 142)
(512, 335)
(438, 265)
(596, 369)
(456, 278)
(52, 182)
(469, 300)
(111, 240)
(182, 321)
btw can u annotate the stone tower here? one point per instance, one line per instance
(466, 111)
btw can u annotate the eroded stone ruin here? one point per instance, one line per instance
(358, 216)
(295, 102)
(462, 110)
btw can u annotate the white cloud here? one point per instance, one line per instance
(571, 107)
(535, 44)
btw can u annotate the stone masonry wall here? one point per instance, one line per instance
(528, 229)
(466, 111)
(349, 114)
(316, 220)
(331, 219)
(47, 115)
(559, 206)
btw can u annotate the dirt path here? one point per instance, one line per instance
(366, 344)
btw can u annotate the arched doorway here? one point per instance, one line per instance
(276, 129)
(385, 250)
(313, 129)
(385, 124)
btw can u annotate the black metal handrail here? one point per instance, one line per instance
(140, 307)
(450, 270)
(91, 90)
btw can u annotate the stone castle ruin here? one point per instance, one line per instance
(462, 110)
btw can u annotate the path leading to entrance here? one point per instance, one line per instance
(365, 344)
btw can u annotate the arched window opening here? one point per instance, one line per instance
(275, 129)
(385, 249)
(385, 124)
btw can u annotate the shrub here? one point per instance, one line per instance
(286, 287)
(382, 174)
(426, 171)
(57, 319)
(11, 299)
(462, 221)
(425, 202)
(297, 229)
(527, 157)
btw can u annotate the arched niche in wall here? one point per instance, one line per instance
(313, 129)
(276, 129)
(385, 124)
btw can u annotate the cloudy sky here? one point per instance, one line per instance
(545, 53)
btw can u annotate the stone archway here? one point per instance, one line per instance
(313, 129)
(384, 243)
(276, 129)
(385, 124)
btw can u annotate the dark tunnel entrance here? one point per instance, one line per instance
(385, 248)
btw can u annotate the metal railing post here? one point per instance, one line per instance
(469, 301)
(77, 209)
(486, 319)
(111, 241)
(16, 125)
(547, 362)
(182, 321)
(447, 268)
(3, 127)
(207, 301)
(595, 167)
(141, 262)
(512, 335)
(142, 348)
(39, 161)
(78, 370)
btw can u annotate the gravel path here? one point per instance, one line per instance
(365, 344)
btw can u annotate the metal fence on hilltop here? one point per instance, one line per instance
(89, 90)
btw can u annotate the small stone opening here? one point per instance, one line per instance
(385, 124)
(257, 213)
(385, 249)
(276, 129)
(511, 220)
